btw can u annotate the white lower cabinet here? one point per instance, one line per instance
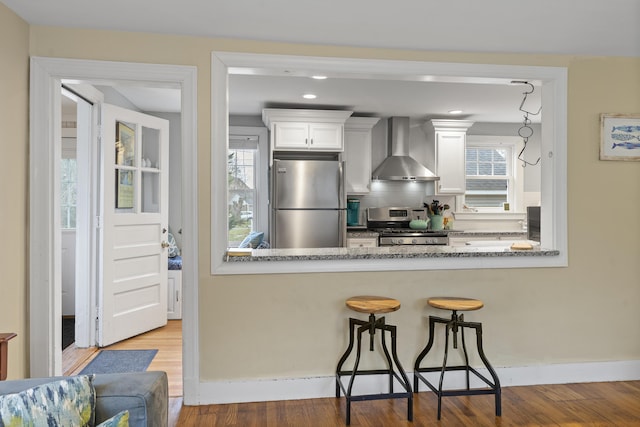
(462, 241)
(362, 242)
(174, 294)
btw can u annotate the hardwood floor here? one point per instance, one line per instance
(586, 404)
(167, 340)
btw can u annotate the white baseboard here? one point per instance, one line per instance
(318, 387)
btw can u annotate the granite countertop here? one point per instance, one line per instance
(387, 252)
(363, 232)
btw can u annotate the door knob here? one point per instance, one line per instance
(164, 245)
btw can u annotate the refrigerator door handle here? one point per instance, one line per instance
(343, 228)
(341, 190)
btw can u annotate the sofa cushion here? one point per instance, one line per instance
(66, 402)
(252, 240)
(144, 394)
(121, 419)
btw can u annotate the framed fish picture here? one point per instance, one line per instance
(620, 137)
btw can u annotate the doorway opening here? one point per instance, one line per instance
(76, 198)
(47, 77)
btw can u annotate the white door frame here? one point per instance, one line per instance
(44, 240)
(87, 203)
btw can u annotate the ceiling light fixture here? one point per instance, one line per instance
(455, 111)
(318, 77)
(309, 96)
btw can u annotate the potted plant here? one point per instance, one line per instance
(435, 212)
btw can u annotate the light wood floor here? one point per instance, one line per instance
(167, 340)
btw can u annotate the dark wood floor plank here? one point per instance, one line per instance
(563, 405)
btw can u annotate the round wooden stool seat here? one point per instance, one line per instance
(373, 304)
(455, 303)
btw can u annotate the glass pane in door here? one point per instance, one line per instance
(125, 166)
(150, 191)
(150, 167)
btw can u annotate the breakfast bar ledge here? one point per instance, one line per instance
(384, 252)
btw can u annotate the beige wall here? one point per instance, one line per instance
(273, 326)
(14, 115)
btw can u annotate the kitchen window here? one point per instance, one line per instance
(242, 189)
(247, 189)
(493, 181)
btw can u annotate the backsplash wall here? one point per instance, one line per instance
(402, 194)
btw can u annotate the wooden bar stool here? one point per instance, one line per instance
(373, 305)
(455, 323)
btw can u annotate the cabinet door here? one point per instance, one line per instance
(174, 294)
(462, 241)
(362, 242)
(291, 136)
(325, 136)
(357, 156)
(450, 162)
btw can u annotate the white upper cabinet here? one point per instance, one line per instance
(357, 154)
(449, 138)
(302, 130)
(289, 135)
(326, 136)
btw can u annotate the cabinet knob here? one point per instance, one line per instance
(164, 245)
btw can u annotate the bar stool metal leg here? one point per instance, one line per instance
(391, 357)
(404, 380)
(492, 372)
(453, 325)
(346, 353)
(423, 354)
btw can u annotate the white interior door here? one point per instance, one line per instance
(132, 296)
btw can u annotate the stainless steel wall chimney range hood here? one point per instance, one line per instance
(400, 166)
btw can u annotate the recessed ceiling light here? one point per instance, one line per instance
(309, 96)
(319, 77)
(455, 111)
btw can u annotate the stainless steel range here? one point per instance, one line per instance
(392, 223)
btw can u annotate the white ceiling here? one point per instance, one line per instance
(586, 27)
(419, 100)
(598, 27)
(382, 98)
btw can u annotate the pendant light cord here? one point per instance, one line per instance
(525, 130)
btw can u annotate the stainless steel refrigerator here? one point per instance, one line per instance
(307, 204)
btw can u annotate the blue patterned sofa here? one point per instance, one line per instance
(144, 394)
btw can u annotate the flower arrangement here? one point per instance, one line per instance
(435, 208)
